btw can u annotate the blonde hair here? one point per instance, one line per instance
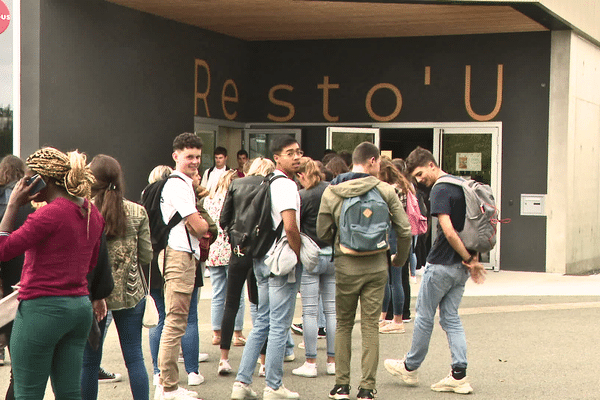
(68, 171)
(159, 172)
(312, 172)
(224, 181)
(261, 166)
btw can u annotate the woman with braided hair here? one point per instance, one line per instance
(61, 242)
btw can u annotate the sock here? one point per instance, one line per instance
(459, 373)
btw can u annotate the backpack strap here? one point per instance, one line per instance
(176, 218)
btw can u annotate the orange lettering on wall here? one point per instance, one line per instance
(282, 103)
(369, 107)
(472, 114)
(234, 99)
(203, 96)
(326, 86)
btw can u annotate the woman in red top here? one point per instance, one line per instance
(61, 241)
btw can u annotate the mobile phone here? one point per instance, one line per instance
(39, 185)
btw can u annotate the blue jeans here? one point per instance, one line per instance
(443, 286)
(189, 341)
(276, 304)
(393, 289)
(129, 325)
(412, 258)
(312, 286)
(218, 281)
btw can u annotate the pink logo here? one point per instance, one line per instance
(4, 17)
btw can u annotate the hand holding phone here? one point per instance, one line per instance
(38, 186)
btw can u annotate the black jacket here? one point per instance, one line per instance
(237, 196)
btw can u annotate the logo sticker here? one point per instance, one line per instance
(4, 17)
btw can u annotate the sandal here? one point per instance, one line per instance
(216, 340)
(239, 341)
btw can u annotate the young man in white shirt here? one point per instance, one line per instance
(213, 174)
(276, 294)
(180, 266)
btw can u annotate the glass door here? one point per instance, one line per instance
(346, 139)
(208, 134)
(473, 153)
(258, 141)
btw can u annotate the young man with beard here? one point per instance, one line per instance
(449, 265)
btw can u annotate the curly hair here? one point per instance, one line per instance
(108, 194)
(187, 140)
(68, 171)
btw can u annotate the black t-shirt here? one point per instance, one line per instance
(446, 198)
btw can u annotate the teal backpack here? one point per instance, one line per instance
(364, 224)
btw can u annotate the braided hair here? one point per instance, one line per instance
(68, 171)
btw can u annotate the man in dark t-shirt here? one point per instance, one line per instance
(449, 265)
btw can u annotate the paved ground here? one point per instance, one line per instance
(530, 336)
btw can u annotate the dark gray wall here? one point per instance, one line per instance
(358, 65)
(121, 82)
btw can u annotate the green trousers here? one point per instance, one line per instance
(369, 288)
(48, 338)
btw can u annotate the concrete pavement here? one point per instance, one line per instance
(530, 336)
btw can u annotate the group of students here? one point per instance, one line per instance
(85, 247)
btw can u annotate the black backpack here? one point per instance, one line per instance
(252, 232)
(159, 231)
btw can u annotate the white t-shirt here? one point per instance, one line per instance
(211, 181)
(284, 196)
(178, 196)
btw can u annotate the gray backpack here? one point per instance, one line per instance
(364, 224)
(481, 217)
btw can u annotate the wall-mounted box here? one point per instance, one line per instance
(533, 204)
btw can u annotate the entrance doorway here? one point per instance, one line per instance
(401, 141)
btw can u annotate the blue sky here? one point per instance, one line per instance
(6, 39)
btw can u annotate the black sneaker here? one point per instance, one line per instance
(366, 394)
(104, 376)
(322, 334)
(340, 392)
(297, 329)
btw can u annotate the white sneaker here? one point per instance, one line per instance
(301, 345)
(331, 368)
(156, 379)
(289, 357)
(207, 273)
(195, 379)
(397, 368)
(202, 357)
(224, 368)
(308, 370)
(262, 371)
(449, 384)
(241, 391)
(281, 393)
(179, 394)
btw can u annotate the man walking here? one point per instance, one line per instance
(180, 261)
(276, 294)
(360, 277)
(448, 267)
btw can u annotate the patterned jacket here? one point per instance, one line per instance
(126, 255)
